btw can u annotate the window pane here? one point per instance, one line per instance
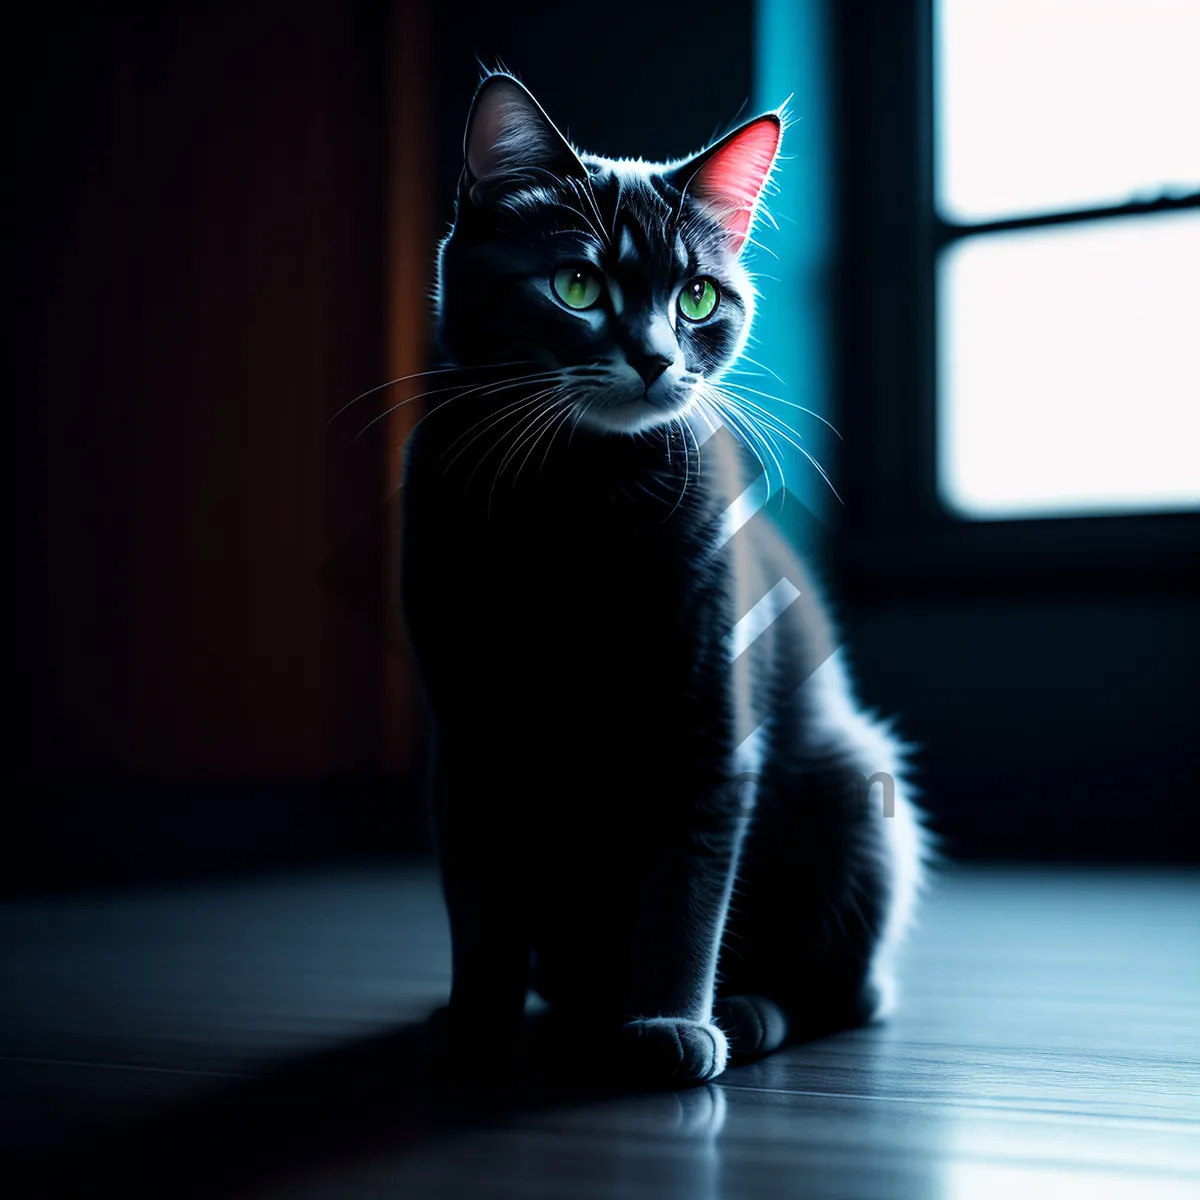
(1047, 105)
(1070, 369)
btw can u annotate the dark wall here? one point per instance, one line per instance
(1052, 726)
(200, 195)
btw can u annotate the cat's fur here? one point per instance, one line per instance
(570, 598)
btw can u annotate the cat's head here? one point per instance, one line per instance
(621, 280)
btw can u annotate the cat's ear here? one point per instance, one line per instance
(508, 134)
(728, 178)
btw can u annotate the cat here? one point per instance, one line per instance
(637, 823)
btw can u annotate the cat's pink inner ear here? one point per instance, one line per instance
(731, 180)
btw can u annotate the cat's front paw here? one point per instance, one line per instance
(671, 1051)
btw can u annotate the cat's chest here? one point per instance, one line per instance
(602, 599)
(562, 609)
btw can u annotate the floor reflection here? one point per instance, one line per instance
(662, 1146)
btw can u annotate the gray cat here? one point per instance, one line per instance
(641, 813)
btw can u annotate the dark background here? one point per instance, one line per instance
(223, 219)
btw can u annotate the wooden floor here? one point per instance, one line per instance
(260, 1039)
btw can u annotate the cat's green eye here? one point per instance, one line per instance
(577, 287)
(698, 300)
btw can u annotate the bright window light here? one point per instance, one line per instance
(1052, 105)
(1070, 369)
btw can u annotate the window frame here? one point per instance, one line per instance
(895, 534)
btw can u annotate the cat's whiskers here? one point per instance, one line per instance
(567, 411)
(518, 409)
(533, 425)
(766, 426)
(596, 233)
(744, 357)
(551, 425)
(513, 412)
(780, 400)
(492, 417)
(421, 375)
(590, 196)
(762, 416)
(538, 426)
(487, 388)
(747, 432)
(537, 402)
(685, 429)
(771, 422)
(580, 413)
(550, 399)
(764, 437)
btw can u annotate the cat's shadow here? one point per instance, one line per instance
(372, 1097)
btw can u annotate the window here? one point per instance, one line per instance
(1067, 190)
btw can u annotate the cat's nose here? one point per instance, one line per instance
(650, 366)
